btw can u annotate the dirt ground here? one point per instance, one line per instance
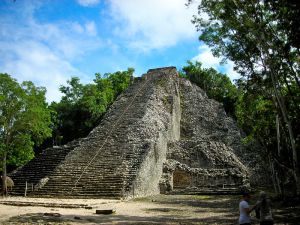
(160, 209)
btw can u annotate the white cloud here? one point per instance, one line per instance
(90, 28)
(153, 24)
(206, 57)
(69, 39)
(39, 65)
(233, 75)
(208, 60)
(88, 3)
(43, 52)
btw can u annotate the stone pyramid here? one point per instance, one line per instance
(162, 135)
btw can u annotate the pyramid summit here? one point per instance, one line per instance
(162, 135)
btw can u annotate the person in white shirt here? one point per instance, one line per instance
(245, 210)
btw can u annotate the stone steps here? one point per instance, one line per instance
(111, 167)
(81, 193)
(207, 191)
(108, 160)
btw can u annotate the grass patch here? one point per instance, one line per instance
(142, 199)
(163, 210)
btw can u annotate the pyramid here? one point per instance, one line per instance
(162, 135)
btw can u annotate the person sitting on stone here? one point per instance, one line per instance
(264, 209)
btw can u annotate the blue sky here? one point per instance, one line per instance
(49, 41)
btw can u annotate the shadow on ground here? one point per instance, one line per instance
(170, 210)
(116, 219)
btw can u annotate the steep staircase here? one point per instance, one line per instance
(40, 167)
(105, 163)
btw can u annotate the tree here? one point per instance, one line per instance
(217, 86)
(287, 14)
(255, 35)
(24, 121)
(82, 106)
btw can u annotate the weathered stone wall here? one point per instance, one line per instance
(209, 152)
(185, 177)
(160, 125)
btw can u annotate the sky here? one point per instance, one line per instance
(50, 41)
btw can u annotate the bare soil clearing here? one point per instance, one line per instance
(160, 209)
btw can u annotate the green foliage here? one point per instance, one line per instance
(24, 119)
(82, 106)
(256, 115)
(217, 86)
(262, 39)
(287, 14)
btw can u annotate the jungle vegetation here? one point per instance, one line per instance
(261, 37)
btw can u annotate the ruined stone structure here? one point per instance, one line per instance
(162, 135)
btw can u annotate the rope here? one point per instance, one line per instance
(110, 132)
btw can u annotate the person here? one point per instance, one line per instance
(263, 206)
(245, 210)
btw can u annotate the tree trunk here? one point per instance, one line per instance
(4, 185)
(267, 61)
(280, 190)
(273, 176)
(278, 134)
(284, 114)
